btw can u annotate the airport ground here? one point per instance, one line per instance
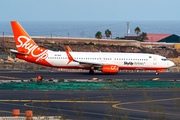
(95, 105)
(27, 74)
(137, 104)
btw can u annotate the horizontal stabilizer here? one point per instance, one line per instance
(16, 52)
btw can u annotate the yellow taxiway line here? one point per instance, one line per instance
(140, 102)
(156, 79)
(70, 101)
(9, 77)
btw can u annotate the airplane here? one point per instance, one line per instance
(107, 62)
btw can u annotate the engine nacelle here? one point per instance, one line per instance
(110, 69)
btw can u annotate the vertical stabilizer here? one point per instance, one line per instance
(22, 39)
(29, 50)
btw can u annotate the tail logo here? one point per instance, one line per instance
(31, 48)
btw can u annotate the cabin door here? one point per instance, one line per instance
(154, 60)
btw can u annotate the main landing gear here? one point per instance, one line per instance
(157, 73)
(91, 71)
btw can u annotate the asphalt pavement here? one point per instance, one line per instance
(20, 74)
(94, 105)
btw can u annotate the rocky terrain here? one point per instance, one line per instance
(168, 53)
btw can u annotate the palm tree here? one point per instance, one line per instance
(108, 33)
(143, 36)
(137, 30)
(98, 35)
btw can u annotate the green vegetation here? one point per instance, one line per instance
(91, 43)
(143, 36)
(123, 38)
(49, 43)
(144, 50)
(108, 85)
(98, 35)
(137, 30)
(61, 80)
(108, 33)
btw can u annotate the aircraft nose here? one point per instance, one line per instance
(171, 63)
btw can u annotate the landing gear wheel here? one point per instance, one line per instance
(91, 71)
(157, 73)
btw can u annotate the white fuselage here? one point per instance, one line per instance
(123, 60)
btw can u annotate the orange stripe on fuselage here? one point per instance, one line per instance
(141, 68)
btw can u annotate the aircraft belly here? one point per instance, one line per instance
(61, 63)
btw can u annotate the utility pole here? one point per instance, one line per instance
(82, 33)
(3, 40)
(128, 31)
(151, 40)
(51, 37)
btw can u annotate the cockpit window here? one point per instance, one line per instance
(163, 59)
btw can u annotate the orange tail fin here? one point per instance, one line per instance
(26, 45)
(22, 39)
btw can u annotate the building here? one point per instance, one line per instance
(168, 38)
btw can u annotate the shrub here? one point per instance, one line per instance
(61, 80)
(91, 43)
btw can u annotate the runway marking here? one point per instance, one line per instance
(9, 77)
(136, 110)
(92, 113)
(156, 79)
(59, 101)
(10, 112)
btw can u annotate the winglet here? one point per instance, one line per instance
(69, 57)
(68, 48)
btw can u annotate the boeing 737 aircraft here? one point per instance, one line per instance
(28, 50)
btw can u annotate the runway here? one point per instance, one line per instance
(13, 74)
(96, 105)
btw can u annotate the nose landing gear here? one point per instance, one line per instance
(157, 73)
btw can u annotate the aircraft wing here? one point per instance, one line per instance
(86, 63)
(92, 64)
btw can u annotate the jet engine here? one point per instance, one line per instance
(110, 69)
